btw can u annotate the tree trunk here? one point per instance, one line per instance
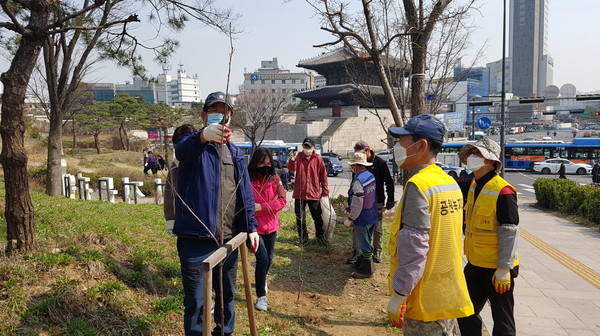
(167, 150)
(53, 178)
(19, 213)
(389, 91)
(121, 135)
(97, 142)
(417, 86)
(74, 135)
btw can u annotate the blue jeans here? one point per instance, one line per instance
(264, 257)
(192, 253)
(362, 238)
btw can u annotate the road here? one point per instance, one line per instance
(522, 180)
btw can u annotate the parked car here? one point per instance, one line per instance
(452, 171)
(331, 154)
(551, 166)
(387, 155)
(333, 165)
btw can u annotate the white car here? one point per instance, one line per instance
(551, 166)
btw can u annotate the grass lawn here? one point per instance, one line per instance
(111, 269)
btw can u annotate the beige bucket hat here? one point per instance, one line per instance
(360, 159)
(489, 150)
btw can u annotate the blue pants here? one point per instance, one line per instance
(264, 257)
(362, 238)
(192, 253)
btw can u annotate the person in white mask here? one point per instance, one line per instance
(309, 186)
(427, 286)
(491, 219)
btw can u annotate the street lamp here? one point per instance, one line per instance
(503, 98)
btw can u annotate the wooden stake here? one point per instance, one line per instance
(213, 260)
(248, 290)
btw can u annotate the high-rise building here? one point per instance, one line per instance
(531, 66)
(181, 92)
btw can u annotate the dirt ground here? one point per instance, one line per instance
(317, 294)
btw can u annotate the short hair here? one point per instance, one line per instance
(434, 146)
(181, 131)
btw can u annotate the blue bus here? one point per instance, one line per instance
(522, 154)
(279, 149)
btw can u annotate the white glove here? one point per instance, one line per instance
(501, 280)
(348, 223)
(216, 133)
(169, 224)
(254, 241)
(393, 309)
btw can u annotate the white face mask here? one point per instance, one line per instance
(308, 152)
(475, 162)
(400, 153)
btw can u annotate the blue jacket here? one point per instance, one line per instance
(198, 185)
(369, 214)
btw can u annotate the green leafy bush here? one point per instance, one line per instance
(568, 197)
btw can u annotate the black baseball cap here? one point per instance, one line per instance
(308, 141)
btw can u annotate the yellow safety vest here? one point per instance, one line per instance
(442, 291)
(481, 235)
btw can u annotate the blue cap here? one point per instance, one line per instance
(217, 97)
(425, 125)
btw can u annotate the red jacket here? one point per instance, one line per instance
(270, 195)
(311, 177)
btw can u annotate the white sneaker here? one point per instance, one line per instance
(261, 303)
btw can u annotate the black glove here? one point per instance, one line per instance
(390, 204)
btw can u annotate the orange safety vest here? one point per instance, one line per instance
(442, 291)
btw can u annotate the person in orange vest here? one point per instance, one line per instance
(491, 218)
(426, 237)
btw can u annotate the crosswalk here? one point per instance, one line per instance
(525, 187)
(529, 188)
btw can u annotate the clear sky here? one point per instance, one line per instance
(288, 30)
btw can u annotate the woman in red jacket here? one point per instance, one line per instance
(269, 198)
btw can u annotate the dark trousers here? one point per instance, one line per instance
(264, 257)
(479, 282)
(315, 211)
(192, 253)
(150, 166)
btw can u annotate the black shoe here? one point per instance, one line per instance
(303, 241)
(322, 241)
(353, 258)
(377, 256)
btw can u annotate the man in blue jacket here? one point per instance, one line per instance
(211, 166)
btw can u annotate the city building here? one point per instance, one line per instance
(179, 92)
(139, 87)
(272, 82)
(494, 70)
(350, 107)
(531, 66)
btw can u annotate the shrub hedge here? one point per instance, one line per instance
(568, 197)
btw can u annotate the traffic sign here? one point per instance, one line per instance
(484, 123)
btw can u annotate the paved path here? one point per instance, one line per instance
(558, 288)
